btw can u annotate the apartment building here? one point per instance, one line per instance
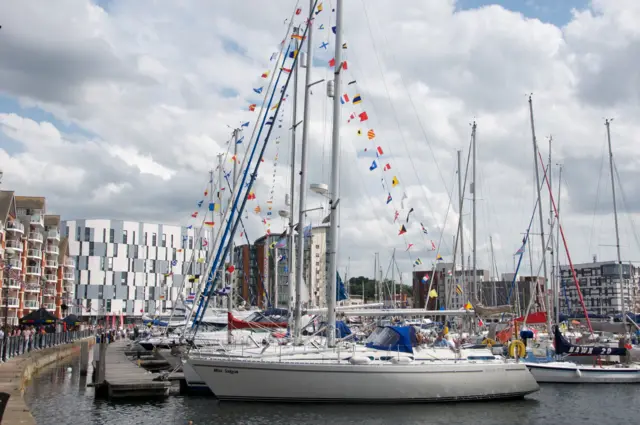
(35, 268)
(133, 268)
(262, 264)
(600, 286)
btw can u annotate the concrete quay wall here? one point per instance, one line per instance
(16, 373)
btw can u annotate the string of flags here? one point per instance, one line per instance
(356, 114)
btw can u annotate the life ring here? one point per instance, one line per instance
(522, 350)
(488, 341)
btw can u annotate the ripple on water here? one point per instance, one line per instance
(58, 397)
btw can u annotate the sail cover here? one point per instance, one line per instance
(484, 311)
(565, 347)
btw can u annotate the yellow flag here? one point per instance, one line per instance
(468, 306)
(394, 181)
(359, 132)
(433, 294)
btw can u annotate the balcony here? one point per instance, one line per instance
(69, 262)
(34, 271)
(15, 245)
(36, 220)
(35, 237)
(15, 264)
(50, 277)
(69, 289)
(49, 292)
(50, 306)
(15, 226)
(51, 264)
(12, 283)
(52, 249)
(53, 235)
(69, 276)
(33, 288)
(34, 253)
(10, 302)
(31, 304)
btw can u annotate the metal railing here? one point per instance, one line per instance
(35, 270)
(15, 346)
(35, 236)
(68, 276)
(69, 262)
(52, 249)
(14, 244)
(31, 304)
(15, 225)
(53, 234)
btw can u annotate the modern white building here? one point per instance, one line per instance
(131, 267)
(316, 264)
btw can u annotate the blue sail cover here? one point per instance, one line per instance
(341, 291)
(154, 322)
(342, 330)
(393, 338)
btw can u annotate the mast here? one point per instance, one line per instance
(375, 274)
(220, 220)
(292, 189)
(275, 276)
(231, 254)
(460, 226)
(495, 277)
(475, 271)
(303, 174)
(393, 278)
(552, 278)
(558, 281)
(538, 189)
(607, 123)
(335, 182)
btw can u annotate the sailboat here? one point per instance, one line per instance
(393, 379)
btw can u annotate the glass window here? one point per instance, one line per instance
(104, 235)
(87, 233)
(154, 239)
(164, 239)
(102, 263)
(112, 235)
(145, 238)
(124, 236)
(78, 234)
(110, 263)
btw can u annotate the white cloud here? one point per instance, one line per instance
(147, 82)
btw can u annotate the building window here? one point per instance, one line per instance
(164, 239)
(78, 234)
(112, 235)
(145, 238)
(190, 242)
(115, 250)
(123, 279)
(103, 263)
(108, 306)
(146, 306)
(91, 253)
(133, 238)
(110, 264)
(172, 241)
(154, 239)
(124, 236)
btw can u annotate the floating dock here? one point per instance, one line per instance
(124, 378)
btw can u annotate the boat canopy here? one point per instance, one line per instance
(393, 338)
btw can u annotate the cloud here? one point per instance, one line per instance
(156, 91)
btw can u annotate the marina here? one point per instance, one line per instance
(491, 299)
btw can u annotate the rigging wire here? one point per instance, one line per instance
(597, 198)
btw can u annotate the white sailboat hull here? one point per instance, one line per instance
(571, 373)
(380, 383)
(192, 379)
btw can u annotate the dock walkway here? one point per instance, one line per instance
(124, 378)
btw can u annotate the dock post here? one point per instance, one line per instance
(84, 358)
(101, 363)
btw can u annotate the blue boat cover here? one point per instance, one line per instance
(393, 338)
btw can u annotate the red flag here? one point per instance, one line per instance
(287, 70)
(379, 149)
(409, 246)
(344, 65)
(231, 269)
(387, 167)
(332, 63)
(252, 107)
(363, 116)
(402, 231)
(195, 214)
(298, 11)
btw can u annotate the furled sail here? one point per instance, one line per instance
(483, 311)
(565, 347)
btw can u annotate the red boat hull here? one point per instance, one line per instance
(241, 324)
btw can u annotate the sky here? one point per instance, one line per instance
(119, 109)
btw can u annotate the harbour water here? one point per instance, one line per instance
(57, 396)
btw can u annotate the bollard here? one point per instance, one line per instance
(84, 358)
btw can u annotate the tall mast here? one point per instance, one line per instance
(292, 189)
(335, 182)
(231, 253)
(220, 220)
(460, 226)
(607, 123)
(303, 175)
(552, 277)
(495, 277)
(393, 278)
(275, 277)
(557, 249)
(475, 271)
(375, 274)
(538, 188)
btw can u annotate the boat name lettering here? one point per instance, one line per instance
(231, 371)
(217, 370)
